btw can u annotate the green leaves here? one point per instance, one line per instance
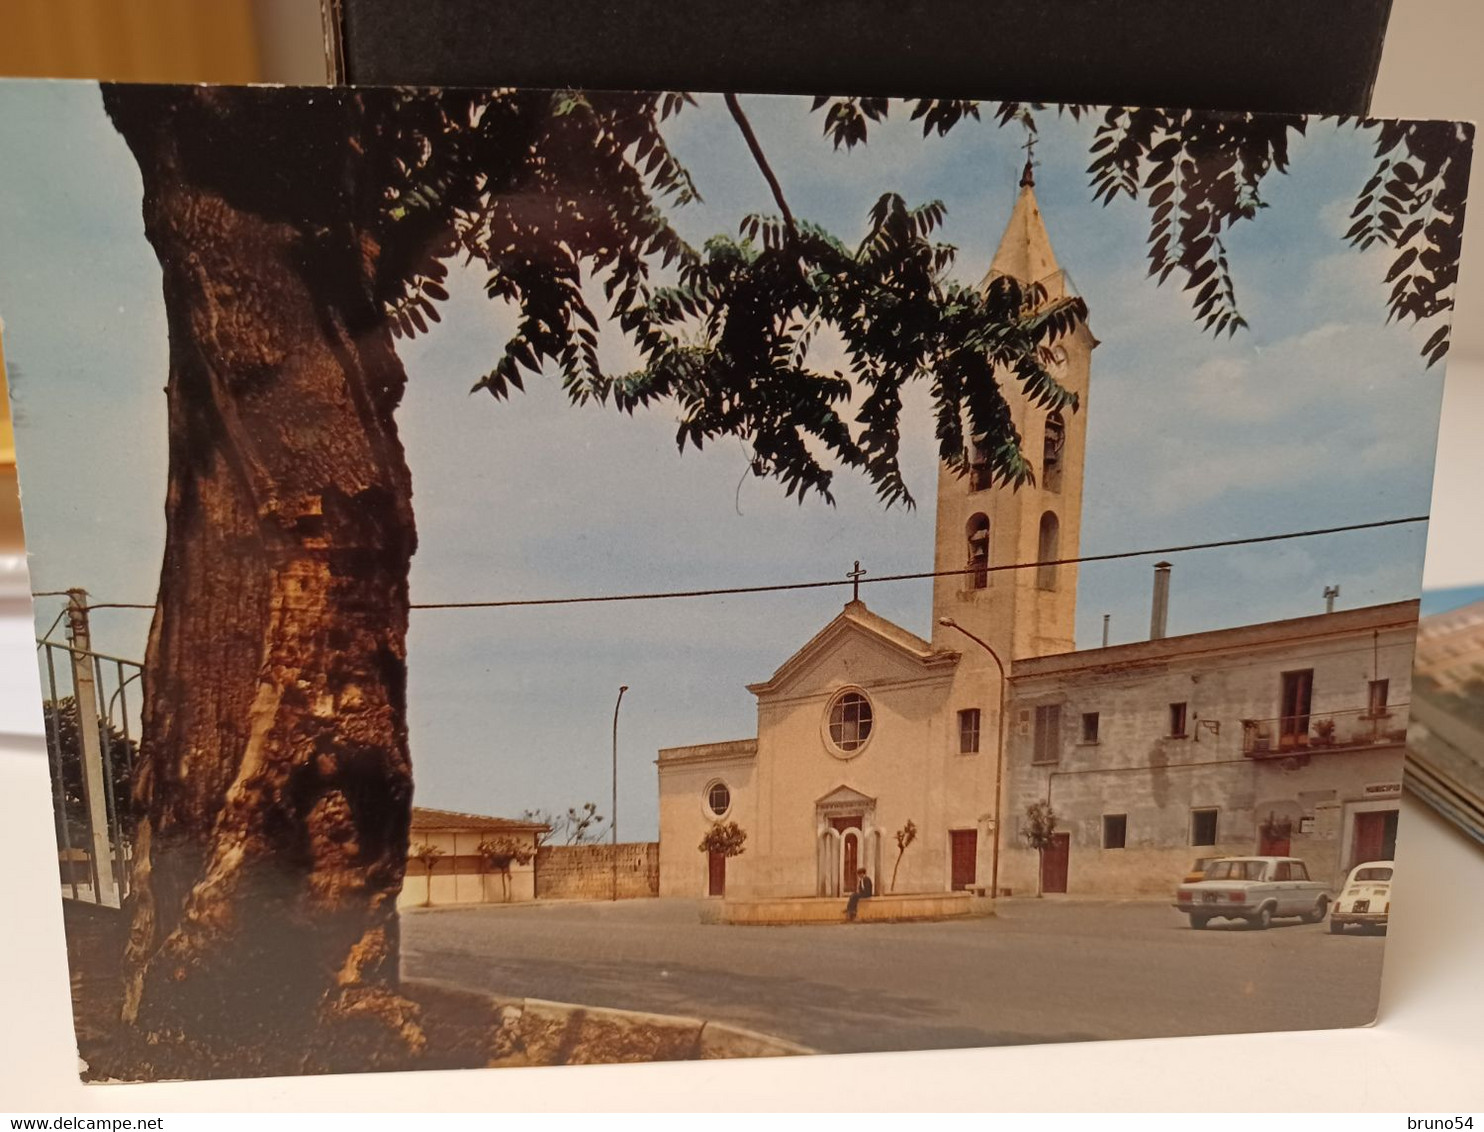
(1201, 173)
(1415, 202)
(560, 195)
(734, 356)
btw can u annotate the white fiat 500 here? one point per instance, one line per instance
(1366, 898)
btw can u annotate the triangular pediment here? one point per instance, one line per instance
(858, 639)
(844, 796)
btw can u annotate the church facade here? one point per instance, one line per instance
(1278, 737)
(869, 727)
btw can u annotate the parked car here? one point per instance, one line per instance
(1366, 898)
(1198, 870)
(1255, 889)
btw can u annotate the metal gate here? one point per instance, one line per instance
(91, 709)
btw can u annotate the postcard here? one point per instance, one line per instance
(1445, 752)
(535, 577)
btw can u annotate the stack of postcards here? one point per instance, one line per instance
(1445, 740)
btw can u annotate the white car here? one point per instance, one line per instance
(1366, 898)
(1255, 889)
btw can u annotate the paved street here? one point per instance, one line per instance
(1040, 971)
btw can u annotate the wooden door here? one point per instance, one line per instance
(850, 851)
(717, 867)
(1054, 863)
(1375, 837)
(1273, 841)
(850, 856)
(1298, 695)
(964, 850)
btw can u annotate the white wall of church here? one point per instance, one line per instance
(905, 766)
(686, 777)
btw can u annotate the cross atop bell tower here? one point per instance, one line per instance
(986, 527)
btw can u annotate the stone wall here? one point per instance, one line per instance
(1112, 751)
(585, 872)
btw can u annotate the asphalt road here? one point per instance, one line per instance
(1039, 971)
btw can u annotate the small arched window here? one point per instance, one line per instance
(978, 534)
(978, 464)
(1048, 549)
(1051, 453)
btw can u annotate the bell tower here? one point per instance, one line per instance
(985, 526)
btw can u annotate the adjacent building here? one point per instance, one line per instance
(1284, 738)
(476, 859)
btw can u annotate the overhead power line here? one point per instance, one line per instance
(727, 591)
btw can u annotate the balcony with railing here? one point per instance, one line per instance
(1289, 735)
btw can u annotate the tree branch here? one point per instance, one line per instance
(762, 162)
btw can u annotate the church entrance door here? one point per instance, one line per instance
(850, 855)
(717, 879)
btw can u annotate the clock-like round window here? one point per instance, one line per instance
(718, 798)
(850, 721)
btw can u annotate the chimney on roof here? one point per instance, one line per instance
(1159, 615)
(1330, 593)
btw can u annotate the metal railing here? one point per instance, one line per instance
(90, 704)
(1347, 729)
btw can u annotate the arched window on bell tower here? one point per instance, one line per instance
(978, 464)
(1048, 549)
(978, 535)
(1052, 450)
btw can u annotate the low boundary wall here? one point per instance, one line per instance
(875, 909)
(586, 872)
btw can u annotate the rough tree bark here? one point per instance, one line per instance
(276, 786)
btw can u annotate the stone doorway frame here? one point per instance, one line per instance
(843, 802)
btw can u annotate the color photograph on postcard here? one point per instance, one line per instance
(554, 577)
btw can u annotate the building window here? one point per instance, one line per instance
(850, 721)
(1048, 734)
(1376, 700)
(1203, 827)
(1089, 727)
(1051, 456)
(1115, 830)
(1296, 697)
(1177, 721)
(978, 464)
(718, 798)
(1048, 550)
(978, 533)
(968, 731)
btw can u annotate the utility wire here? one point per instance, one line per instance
(509, 603)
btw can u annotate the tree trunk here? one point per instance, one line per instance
(275, 786)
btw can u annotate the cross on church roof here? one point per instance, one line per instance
(1028, 176)
(855, 576)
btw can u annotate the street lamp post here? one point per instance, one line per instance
(999, 766)
(613, 811)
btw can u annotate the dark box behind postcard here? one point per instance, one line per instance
(1311, 56)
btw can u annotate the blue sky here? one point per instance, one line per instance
(1319, 415)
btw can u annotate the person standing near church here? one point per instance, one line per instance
(863, 891)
